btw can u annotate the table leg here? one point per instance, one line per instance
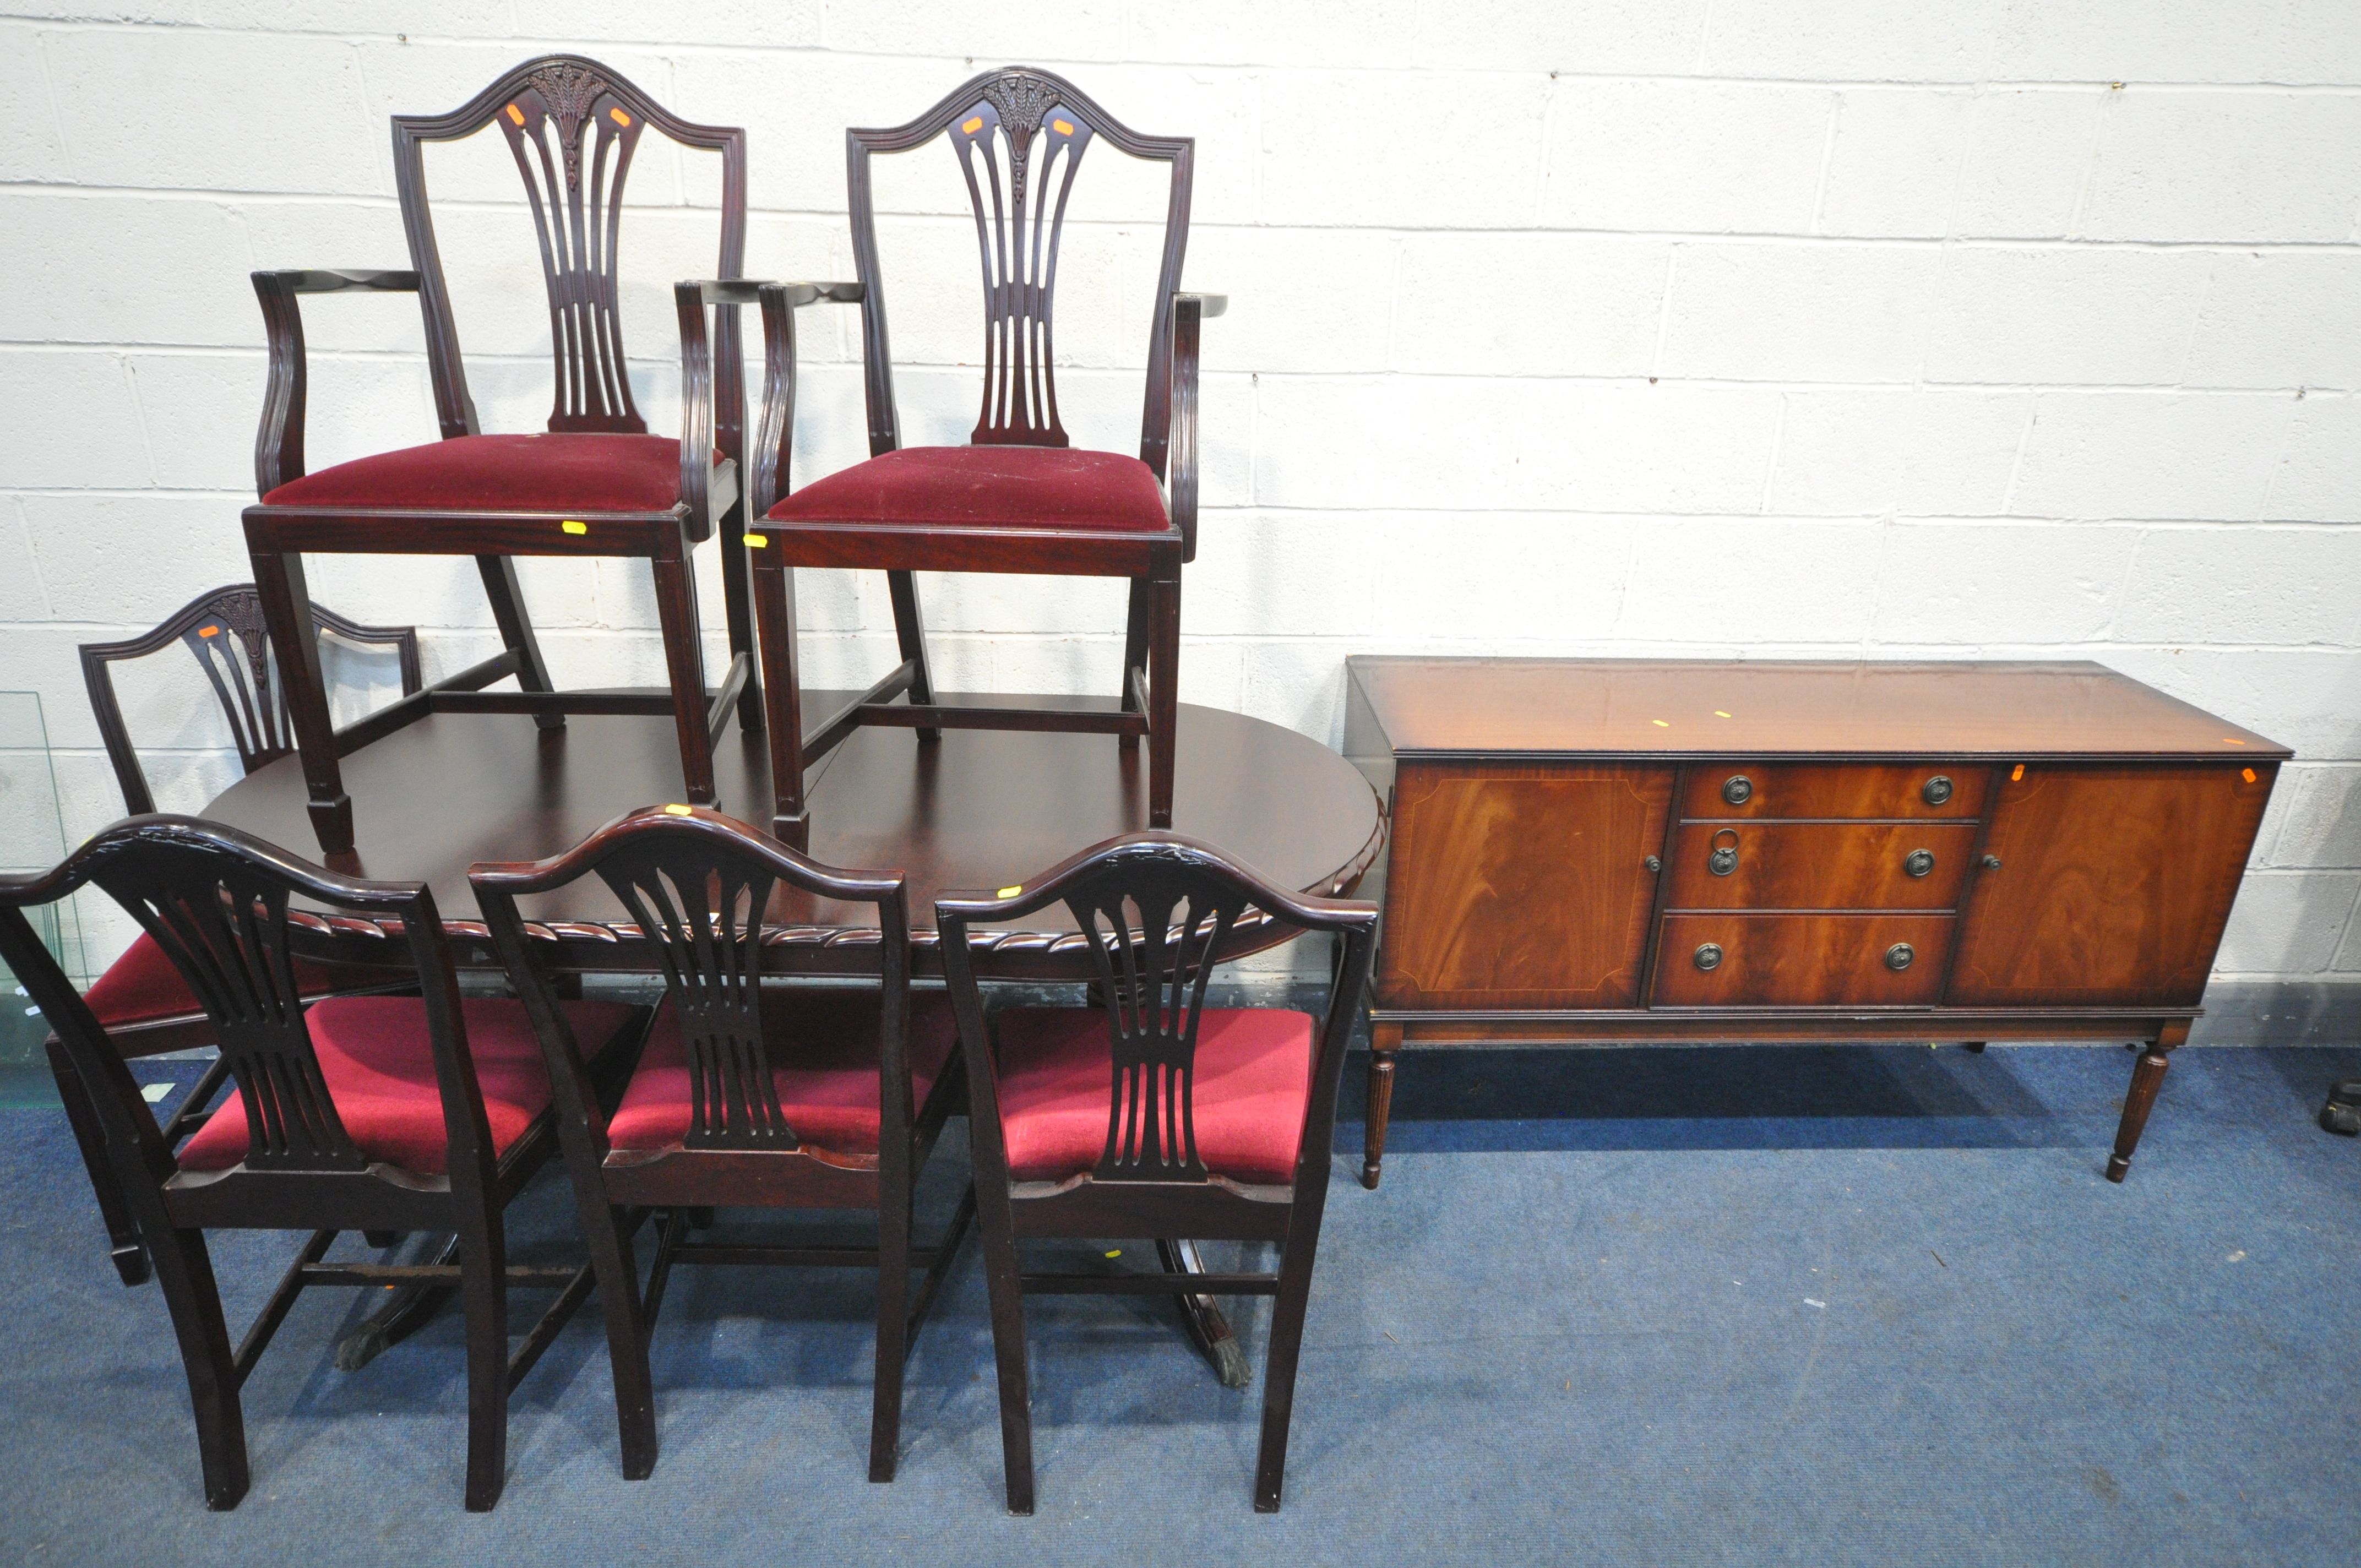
(2147, 1077)
(1385, 1039)
(1209, 1331)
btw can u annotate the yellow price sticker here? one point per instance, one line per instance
(756, 541)
(1011, 892)
(570, 526)
(679, 810)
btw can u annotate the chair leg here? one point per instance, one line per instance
(910, 632)
(1000, 1274)
(774, 613)
(517, 635)
(618, 1274)
(1135, 651)
(184, 1274)
(122, 1230)
(1279, 1371)
(893, 1336)
(1163, 696)
(483, 1290)
(286, 613)
(684, 663)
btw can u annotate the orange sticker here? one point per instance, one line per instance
(620, 118)
(2017, 775)
(974, 124)
(1063, 128)
(2249, 774)
(2232, 740)
(516, 114)
(209, 631)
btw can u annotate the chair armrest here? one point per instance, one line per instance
(1188, 311)
(713, 399)
(279, 444)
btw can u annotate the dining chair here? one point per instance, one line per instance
(1151, 1114)
(748, 1095)
(420, 1112)
(1018, 498)
(594, 484)
(141, 1001)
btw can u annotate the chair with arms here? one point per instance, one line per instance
(422, 1113)
(747, 1095)
(141, 1000)
(1017, 498)
(1153, 1115)
(594, 484)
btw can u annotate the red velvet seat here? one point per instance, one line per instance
(987, 486)
(829, 1092)
(1254, 1079)
(378, 1064)
(501, 472)
(142, 985)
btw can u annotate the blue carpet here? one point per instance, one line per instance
(1857, 1305)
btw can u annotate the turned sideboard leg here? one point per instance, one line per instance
(2147, 1077)
(1385, 1039)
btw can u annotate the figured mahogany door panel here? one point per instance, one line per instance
(1801, 961)
(1521, 886)
(1742, 786)
(2113, 886)
(1818, 865)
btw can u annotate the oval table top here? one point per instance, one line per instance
(979, 808)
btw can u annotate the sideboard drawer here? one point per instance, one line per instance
(1801, 961)
(1741, 787)
(1819, 865)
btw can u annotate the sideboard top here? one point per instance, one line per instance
(1713, 708)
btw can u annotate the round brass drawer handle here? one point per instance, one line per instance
(1919, 862)
(1936, 790)
(1707, 956)
(1738, 790)
(1899, 956)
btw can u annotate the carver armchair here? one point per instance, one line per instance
(1018, 498)
(594, 484)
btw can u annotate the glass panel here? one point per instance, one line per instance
(32, 838)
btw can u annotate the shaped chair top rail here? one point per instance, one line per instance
(573, 125)
(1020, 135)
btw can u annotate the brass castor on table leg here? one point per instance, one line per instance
(2341, 1113)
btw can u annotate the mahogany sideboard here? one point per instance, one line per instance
(1623, 851)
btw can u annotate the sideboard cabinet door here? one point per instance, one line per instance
(2113, 885)
(1521, 886)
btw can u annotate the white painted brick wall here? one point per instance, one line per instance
(1689, 326)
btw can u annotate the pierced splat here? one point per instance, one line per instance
(567, 118)
(704, 914)
(225, 928)
(1154, 990)
(1016, 148)
(233, 651)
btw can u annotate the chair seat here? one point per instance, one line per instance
(142, 986)
(1253, 1083)
(828, 1093)
(987, 486)
(379, 1063)
(501, 472)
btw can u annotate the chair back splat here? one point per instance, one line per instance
(573, 126)
(1020, 135)
(1155, 987)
